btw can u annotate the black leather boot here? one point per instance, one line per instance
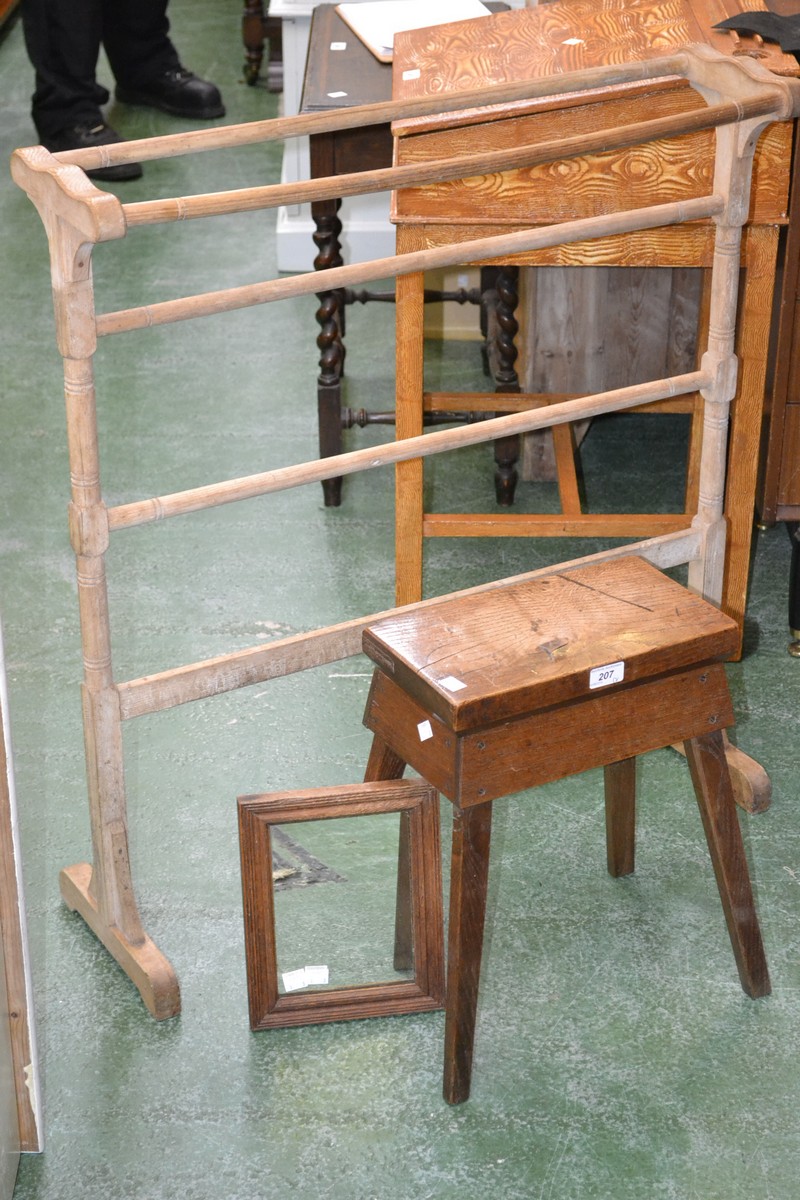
(178, 92)
(87, 135)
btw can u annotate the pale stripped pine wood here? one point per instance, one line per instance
(77, 216)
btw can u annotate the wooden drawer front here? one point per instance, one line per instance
(658, 172)
(563, 741)
(676, 246)
(484, 765)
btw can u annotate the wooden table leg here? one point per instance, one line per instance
(755, 314)
(330, 318)
(468, 883)
(253, 38)
(409, 423)
(384, 764)
(258, 27)
(620, 786)
(712, 785)
(506, 450)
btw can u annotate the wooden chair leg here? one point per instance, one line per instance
(568, 487)
(384, 764)
(409, 476)
(695, 447)
(620, 787)
(712, 785)
(755, 310)
(468, 883)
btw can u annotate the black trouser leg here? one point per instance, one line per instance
(63, 42)
(136, 40)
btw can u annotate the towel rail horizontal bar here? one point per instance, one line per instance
(503, 246)
(143, 512)
(215, 676)
(361, 183)
(256, 132)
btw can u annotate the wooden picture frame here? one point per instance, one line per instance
(418, 805)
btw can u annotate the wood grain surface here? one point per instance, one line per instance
(535, 644)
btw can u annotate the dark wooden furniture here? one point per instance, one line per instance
(418, 807)
(339, 79)
(536, 681)
(341, 73)
(259, 27)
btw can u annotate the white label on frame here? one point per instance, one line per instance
(414, 73)
(294, 980)
(336, 95)
(338, 45)
(425, 731)
(603, 676)
(452, 684)
(573, 41)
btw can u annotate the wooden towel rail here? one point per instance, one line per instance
(742, 98)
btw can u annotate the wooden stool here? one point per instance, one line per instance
(491, 694)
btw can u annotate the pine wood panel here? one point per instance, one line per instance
(673, 246)
(551, 40)
(675, 170)
(548, 42)
(591, 328)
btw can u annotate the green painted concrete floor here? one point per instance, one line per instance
(616, 1055)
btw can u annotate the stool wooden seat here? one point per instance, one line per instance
(488, 695)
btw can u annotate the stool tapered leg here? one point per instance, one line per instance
(712, 785)
(384, 764)
(468, 882)
(620, 785)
